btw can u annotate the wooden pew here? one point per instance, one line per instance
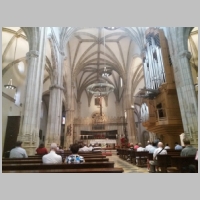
(132, 156)
(124, 153)
(65, 155)
(141, 156)
(83, 152)
(150, 156)
(164, 161)
(119, 152)
(180, 164)
(39, 160)
(87, 170)
(173, 152)
(39, 166)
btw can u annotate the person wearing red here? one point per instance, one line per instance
(41, 150)
(136, 146)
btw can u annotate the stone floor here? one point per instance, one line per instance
(127, 166)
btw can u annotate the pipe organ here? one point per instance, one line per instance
(160, 109)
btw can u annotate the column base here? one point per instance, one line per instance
(30, 150)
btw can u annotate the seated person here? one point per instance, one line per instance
(157, 140)
(189, 150)
(52, 157)
(131, 147)
(159, 150)
(153, 147)
(18, 151)
(151, 150)
(136, 146)
(60, 149)
(167, 146)
(97, 147)
(140, 148)
(74, 157)
(178, 146)
(149, 146)
(84, 148)
(90, 147)
(41, 150)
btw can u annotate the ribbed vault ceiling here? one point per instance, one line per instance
(90, 50)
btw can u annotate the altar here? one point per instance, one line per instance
(103, 142)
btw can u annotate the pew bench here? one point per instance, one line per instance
(88, 170)
(141, 157)
(180, 164)
(164, 161)
(40, 166)
(39, 160)
(65, 155)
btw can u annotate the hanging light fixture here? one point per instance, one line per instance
(111, 28)
(10, 85)
(101, 89)
(105, 72)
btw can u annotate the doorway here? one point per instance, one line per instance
(12, 131)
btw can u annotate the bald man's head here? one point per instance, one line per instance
(160, 144)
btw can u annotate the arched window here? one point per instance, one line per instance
(21, 67)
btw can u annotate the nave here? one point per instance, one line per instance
(127, 166)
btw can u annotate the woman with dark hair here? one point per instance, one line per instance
(74, 157)
(41, 150)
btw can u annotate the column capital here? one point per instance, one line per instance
(57, 87)
(185, 53)
(32, 54)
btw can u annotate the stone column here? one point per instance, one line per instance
(30, 123)
(187, 96)
(177, 40)
(69, 120)
(131, 128)
(132, 132)
(69, 123)
(54, 116)
(78, 129)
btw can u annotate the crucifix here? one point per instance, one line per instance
(100, 103)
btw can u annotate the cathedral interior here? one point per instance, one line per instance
(100, 84)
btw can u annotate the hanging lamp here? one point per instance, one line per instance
(10, 85)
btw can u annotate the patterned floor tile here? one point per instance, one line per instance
(128, 167)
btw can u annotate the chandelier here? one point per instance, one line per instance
(10, 85)
(106, 72)
(111, 28)
(100, 89)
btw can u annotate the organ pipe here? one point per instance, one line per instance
(153, 62)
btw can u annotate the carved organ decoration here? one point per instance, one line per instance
(160, 110)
